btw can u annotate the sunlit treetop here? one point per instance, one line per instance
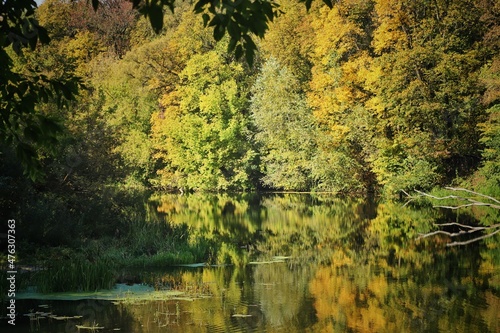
(240, 19)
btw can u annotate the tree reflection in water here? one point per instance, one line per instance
(354, 265)
(313, 263)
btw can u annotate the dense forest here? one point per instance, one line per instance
(364, 97)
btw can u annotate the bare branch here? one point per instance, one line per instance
(495, 203)
(475, 193)
(470, 205)
(473, 202)
(468, 226)
(474, 240)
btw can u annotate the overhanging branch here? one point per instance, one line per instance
(464, 228)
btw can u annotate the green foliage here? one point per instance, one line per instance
(425, 91)
(487, 178)
(75, 274)
(367, 95)
(207, 129)
(285, 128)
(21, 125)
(397, 169)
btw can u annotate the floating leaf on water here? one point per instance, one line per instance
(121, 292)
(189, 299)
(201, 264)
(281, 258)
(65, 317)
(43, 313)
(81, 327)
(265, 262)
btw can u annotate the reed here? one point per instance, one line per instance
(78, 274)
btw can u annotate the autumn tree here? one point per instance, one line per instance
(202, 131)
(425, 91)
(341, 58)
(289, 40)
(112, 22)
(285, 128)
(487, 179)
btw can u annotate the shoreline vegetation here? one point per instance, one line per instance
(364, 111)
(165, 233)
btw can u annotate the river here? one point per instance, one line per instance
(298, 263)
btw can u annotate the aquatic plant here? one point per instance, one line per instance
(77, 274)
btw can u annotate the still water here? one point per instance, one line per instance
(302, 263)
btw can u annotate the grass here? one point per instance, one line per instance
(77, 274)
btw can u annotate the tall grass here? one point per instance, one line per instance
(78, 274)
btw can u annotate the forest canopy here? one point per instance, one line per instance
(351, 96)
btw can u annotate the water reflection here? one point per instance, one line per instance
(353, 265)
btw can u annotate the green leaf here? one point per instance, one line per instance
(249, 54)
(238, 51)
(329, 3)
(206, 18)
(267, 8)
(43, 35)
(155, 14)
(199, 6)
(234, 30)
(49, 126)
(219, 31)
(32, 133)
(232, 44)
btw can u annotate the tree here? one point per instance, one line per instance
(425, 91)
(337, 94)
(22, 125)
(241, 19)
(202, 133)
(289, 40)
(112, 23)
(285, 128)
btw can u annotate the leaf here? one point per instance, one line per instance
(216, 20)
(43, 35)
(206, 18)
(309, 2)
(249, 54)
(219, 31)
(199, 6)
(95, 4)
(32, 133)
(169, 4)
(267, 8)
(232, 44)
(155, 14)
(49, 126)
(329, 3)
(234, 30)
(239, 51)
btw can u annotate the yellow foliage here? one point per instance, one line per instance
(389, 33)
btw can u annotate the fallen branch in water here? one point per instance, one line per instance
(464, 228)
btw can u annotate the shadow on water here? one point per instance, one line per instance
(303, 263)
